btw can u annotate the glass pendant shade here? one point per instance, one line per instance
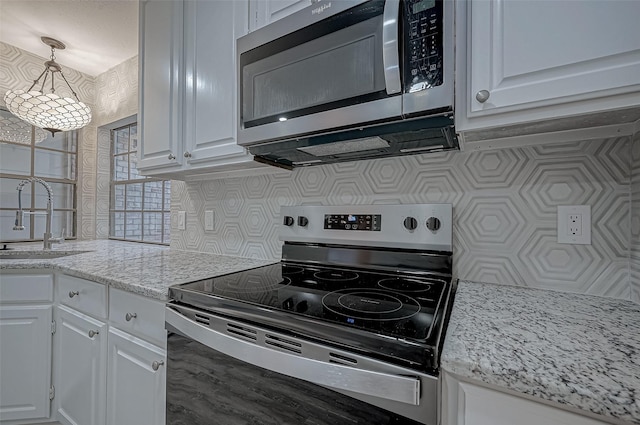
(13, 129)
(48, 110)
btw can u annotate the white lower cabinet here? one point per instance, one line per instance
(136, 382)
(81, 370)
(466, 403)
(26, 315)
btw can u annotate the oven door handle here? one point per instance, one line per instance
(390, 51)
(405, 389)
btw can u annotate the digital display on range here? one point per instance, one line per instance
(371, 222)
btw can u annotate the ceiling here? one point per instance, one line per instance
(99, 34)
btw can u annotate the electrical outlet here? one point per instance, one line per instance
(574, 224)
(208, 220)
(182, 220)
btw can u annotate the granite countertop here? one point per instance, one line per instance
(147, 270)
(577, 350)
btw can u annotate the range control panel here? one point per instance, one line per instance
(410, 226)
(370, 222)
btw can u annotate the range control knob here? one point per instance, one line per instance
(288, 220)
(410, 223)
(433, 223)
(303, 221)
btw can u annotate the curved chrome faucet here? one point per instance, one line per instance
(48, 238)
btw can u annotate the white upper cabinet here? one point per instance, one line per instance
(188, 106)
(532, 60)
(160, 84)
(263, 12)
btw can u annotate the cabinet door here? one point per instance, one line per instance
(211, 30)
(137, 379)
(526, 54)
(80, 381)
(25, 362)
(160, 115)
(263, 12)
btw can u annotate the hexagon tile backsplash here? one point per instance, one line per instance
(504, 204)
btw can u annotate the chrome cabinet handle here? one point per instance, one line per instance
(130, 316)
(187, 154)
(93, 333)
(482, 96)
(73, 294)
(156, 365)
(171, 157)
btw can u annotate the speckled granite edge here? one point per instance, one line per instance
(142, 269)
(576, 350)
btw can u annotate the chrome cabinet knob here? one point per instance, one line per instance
(482, 96)
(187, 154)
(171, 157)
(93, 333)
(130, 316)
(156, 365)
(73, 294)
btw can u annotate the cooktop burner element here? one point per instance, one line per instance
(401, 284)
(375, 305)
(336, 275)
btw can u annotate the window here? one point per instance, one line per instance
(140, 206)
(27, 151)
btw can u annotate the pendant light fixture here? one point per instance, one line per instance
(48, 110)
(13, 129)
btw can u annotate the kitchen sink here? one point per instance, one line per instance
(36, 255)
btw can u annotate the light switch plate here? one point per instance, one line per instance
(182, 220)
(208, 220)
(574, 224)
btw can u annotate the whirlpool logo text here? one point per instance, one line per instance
(319, 10)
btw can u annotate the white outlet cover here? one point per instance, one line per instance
(564, 236)
(208, 221)
(182, 220)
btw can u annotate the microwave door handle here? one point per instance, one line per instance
(390, 51)
(405, 389)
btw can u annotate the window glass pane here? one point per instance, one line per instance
(153, 227)
(55, 164)
(64, 141)
(153, 196)
(134, 196)
(121, 140)
(62, 195)
(167, 227)
(117, 225)
(121, 167)
(133, 226)
(7, 221)
(62, 220)
(9, 194)
(117, 197)
(15, 159)
(133, 171)
(167, 195)
(134, 138)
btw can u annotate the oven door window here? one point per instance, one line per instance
(208, 387)
(334, 63)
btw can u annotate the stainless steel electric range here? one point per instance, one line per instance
(346, 329)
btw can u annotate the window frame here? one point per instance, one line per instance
(33, 147)
(113, 183)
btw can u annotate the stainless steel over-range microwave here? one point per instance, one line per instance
(348, 79)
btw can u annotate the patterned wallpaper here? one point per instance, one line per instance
(117, 98)
(504, 209)
(635, 219)
(18, 69)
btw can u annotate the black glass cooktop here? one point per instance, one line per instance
(389, 304)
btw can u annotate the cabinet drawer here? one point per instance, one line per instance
(83, 295)
(146, 316)
(15, 288)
